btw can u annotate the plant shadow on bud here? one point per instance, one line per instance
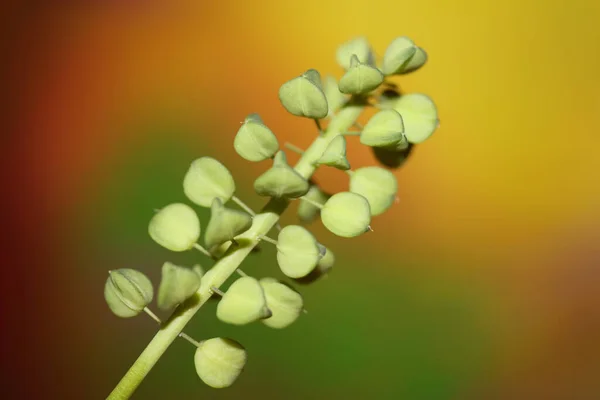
(392, 158)
(315, 275)
(189, 303)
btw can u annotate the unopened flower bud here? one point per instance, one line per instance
(358, 46)
(402, 56)
(346, 214)
(127, 292)
(225, 224)
(335, 154)
(284, 302)
(379, 186)
(303, 96)
(298, 251)
(419, 115)
(243, 303)
(175, 227)
(360, 78)
(207, 179)
(177, 285)
(254, 141)
(384, 129)
(219, 361)
(281, 180)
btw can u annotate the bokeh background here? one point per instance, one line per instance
(482, 283)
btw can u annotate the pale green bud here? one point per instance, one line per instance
(335, 154)
(384, 129)
(360, 47)
(323, 267)
(219, 361)
(307, 212)
(177, 284)
(377, 185)
(254, 141)
(335, 98)
(281, 180)
(298, 252)
(243, 303)
(207, 179)
(284, 302)
(225, 224)
(175, 227)
(419, 114)
(327, 262)
(303, 96)
(360, 78)
(402, 56)
(346, 214)
(127, 292)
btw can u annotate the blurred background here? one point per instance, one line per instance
(482, 283)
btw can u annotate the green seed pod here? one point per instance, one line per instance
(303, 96)
(360, 47)
(176, 285)
(243, 303)
(335, 98)
(284, 302)
(219, 361)
(346, 214)
(254, 141)
(335, 154)
(419, 114)
(326, 263)
(402, 56)
(384, 129)
(207, 179)
(281, 180)
(360, 78)
(225, 224)
(127, 292)
(323, 267)
(307, 212)
(298, 252)
(377, 185)
(175, 227)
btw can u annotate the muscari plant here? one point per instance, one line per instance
(399, 122)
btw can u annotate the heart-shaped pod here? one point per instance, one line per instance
(360, 78)
(303, 96)
(284, 302)
(219, 361)
(281, 180)
(254, 141)
(346, 214)
(175, 227)
(298, 252)
(384, 129)
(207, 179)
(225, 224)
(243, 303)
(127, 292)
(379, 186)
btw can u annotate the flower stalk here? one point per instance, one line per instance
(227, 265)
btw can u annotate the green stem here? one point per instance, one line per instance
(229, 263)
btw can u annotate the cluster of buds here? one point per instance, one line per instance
(401, 120)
